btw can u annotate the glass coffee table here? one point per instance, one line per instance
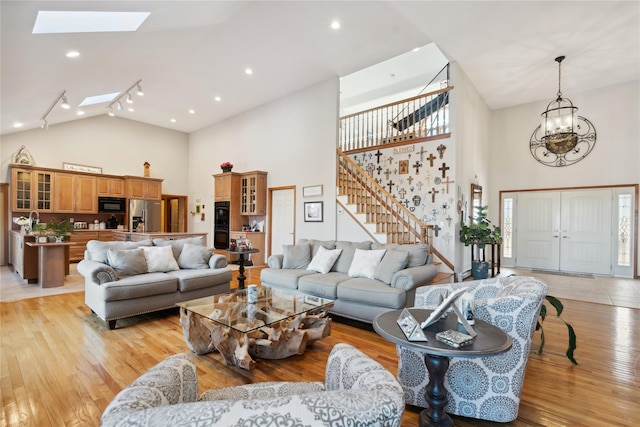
(280, 324)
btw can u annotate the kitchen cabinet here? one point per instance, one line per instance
(110, 186)
(75, 193)
(32, 189)
(253, 193)
(143, 188)
(82, 237)
(225, 185)
(257, 240)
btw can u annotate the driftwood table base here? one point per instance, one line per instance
(280, 340)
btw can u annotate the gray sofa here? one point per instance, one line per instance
(124, 279)
(362, 284)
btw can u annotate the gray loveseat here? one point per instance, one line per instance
(124, 279)
(362, 284)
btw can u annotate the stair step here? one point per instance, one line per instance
(443, 277)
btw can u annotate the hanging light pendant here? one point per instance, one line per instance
(559, 121)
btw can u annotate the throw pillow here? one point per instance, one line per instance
(348, 250)
(391, 263)
(159, 259)
(194, 256)
(177, 244)
(127, 262)
(365, 262)
(296, 257)
(324, 260)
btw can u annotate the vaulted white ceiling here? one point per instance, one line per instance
(188, 52)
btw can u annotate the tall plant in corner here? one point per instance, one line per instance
(555, 302)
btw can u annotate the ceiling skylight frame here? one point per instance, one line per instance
(62, 22)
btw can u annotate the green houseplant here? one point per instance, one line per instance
(555, 302)
(479, 233)
(60, 228)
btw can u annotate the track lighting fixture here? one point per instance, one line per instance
(65, 105)
(126, 94)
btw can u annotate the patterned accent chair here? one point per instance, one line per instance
(481, 387)
(357, 391)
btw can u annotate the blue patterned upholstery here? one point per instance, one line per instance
(481, 387)
(357, 391)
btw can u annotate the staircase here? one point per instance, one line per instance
(380, 214)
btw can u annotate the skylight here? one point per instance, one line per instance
(53, 22)
(98, 99)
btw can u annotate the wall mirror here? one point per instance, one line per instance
(476, 200)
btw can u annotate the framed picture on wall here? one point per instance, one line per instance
(313, 191)
(313, 211)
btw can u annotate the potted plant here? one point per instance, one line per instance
(479, 233)
(40, 230)
(60, 228)
(226, 166)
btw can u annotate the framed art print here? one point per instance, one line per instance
(313, 191)
(312, 211)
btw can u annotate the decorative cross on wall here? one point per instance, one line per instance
(390, 184)
(404, 166)
(410, 179)
(402, 192)
(427, 178)
(419, 184)
(431, 158)
(378, 154)
(387, 173)
(441, 148)
(436, 229)
(444, 168)
(433, 194)
(370, 168)
(417, 165)
(421, 152)
(390, 159)
(379, 169)
(447, 182)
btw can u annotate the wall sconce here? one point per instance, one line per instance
(127, 95)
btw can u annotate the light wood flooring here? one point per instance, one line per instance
(60, 365)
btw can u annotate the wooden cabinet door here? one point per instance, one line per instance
(253, 194)
(43, 190)
(222, 187)
(153, 190)
(136, 188)
(63, 201)
(86, 199)
(21, 193)
(141, 188)
(110, 187)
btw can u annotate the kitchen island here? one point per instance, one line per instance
(130, 236)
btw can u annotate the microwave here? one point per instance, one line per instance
(112, 204)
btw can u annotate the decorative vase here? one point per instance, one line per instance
(479, 270)
(226, 168)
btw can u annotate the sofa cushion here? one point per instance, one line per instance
(346, 257)
(178, 244)
(391, 263)
(371, 292)
(418, 253)
(194, 256)
(322, 285)
(315, 244)
(287, 279)
(296, 256)
(324, 260)
(192, 279)
(127, 262)
(159, 259)
(141, 285)
(97, 250)
(365, 263)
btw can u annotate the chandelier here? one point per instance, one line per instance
(565, 138)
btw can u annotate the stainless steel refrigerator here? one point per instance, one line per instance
(147, 212)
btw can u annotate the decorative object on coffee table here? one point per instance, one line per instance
(226, 166)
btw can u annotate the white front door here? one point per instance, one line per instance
(283, 210)
(564, 231)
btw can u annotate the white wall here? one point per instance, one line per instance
(293, 139)
(119, 146)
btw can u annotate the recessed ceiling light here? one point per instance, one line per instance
(217, 99)
(99, 99)
(192, 111)
(248, 71)
(335, 25)
(130, 109)
(17, 125)
(173, 120)
(80, 113)
(56, 22)
(73, 54)
(415, 49)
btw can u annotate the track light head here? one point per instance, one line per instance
(139, 92)
(119, 106)
(45, 124)
(65, 104)
(111, 113)
(129, 100)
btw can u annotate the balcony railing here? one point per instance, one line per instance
(414, 119)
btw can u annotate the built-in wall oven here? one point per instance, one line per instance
(221, 225)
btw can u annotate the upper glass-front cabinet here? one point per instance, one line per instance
(253, 192)
(32, 190)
